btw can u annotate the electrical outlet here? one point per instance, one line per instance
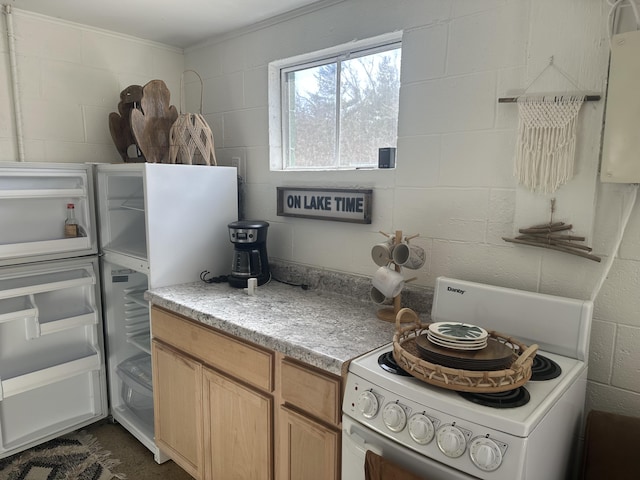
(240, 165)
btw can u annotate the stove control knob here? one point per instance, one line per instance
(394, 417)
(451, 441)
(421, 428)
(485, 454)
(368, 404)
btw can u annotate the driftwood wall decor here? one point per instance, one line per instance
(555, 236)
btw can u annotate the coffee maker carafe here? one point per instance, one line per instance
(249, 238)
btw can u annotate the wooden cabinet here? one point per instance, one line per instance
(309, 423)
(238, 430)
(213, 398)
(177, 395)
(307, 449)
(225, 408)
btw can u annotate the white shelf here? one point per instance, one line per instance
(45, 376)
(140, 316)
(17, 309)
(45, 282)
(121, 260)
(142, 341)
(42, 247)
(136, 204)
(37, 437)
(133, 329)
(43, 193)
(136, 296)
(36, 327)
(18, 315)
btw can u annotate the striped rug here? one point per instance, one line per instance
(76, 456)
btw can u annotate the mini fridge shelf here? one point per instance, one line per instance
(142, 341)
(42, 181)
(129, 203)
(36, 436)
(35, 373)
(46, 412)
(44, 193)
(38, 326)
(45, 282)
(136, 295)
(41, 247)
(17, 308)
(47, 300)
(137, 250)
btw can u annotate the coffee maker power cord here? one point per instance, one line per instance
(225, 278)
(220, 279)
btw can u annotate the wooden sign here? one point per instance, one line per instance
(340, 205)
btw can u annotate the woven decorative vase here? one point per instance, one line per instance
(190, 138)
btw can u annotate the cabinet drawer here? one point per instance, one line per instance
(312, 391)
(241, 360)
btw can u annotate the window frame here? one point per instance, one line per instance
(278, 89)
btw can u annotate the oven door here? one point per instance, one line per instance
(357, 439)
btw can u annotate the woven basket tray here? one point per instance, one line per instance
(407, 355)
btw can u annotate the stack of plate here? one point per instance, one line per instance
(457, 336)
(495, 356)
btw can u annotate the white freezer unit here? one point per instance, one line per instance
(159, 225)
(168, 219)
(52, 370)
(33, 201)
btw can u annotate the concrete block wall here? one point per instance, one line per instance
(453, 183)
(69, 79)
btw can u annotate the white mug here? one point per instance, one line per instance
(388, 282)
(378, 297)
(409, 256)
(381, 253)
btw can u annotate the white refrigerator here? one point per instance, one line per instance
(74, 325)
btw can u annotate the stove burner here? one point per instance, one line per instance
(389, 364)
(509, 399)
(543, 368)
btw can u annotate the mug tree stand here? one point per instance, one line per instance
(388, 314)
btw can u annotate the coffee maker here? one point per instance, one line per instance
(249, 238)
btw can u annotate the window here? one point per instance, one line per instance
(334, 109)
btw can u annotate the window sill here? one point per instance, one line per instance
(325, 170)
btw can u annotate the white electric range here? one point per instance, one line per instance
(529, 433)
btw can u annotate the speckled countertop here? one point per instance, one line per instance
(318, 327)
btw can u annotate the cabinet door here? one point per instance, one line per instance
(177, 394)
(307, 450)
(238, 430)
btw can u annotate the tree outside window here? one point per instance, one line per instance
(338, 112)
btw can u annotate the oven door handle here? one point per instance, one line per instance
(360, 443)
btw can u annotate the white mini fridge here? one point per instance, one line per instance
(159, 225)
(74, 325)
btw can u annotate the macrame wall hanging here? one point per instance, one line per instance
(546, 142)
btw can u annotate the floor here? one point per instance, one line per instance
(136, 460)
